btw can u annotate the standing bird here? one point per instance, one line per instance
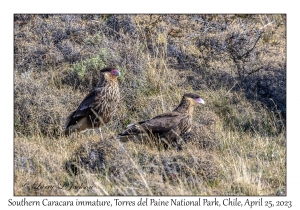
(168, 126)
(98, 106)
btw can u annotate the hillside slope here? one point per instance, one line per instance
(236, 63)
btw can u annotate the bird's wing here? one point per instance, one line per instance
(83, 109)
(87, 103)
(162, 122)
(159, 124)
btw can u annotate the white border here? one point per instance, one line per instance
(154, 6)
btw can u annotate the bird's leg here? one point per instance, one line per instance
(96, 120)
(98, 130)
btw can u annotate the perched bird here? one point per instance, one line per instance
(168, 126)
(98, 106)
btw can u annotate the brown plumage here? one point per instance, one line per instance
(168, 126)
(98, 106)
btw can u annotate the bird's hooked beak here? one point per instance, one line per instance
(115, 72)
(200, 101)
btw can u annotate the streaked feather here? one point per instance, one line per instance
(169, 126)
(102, 100)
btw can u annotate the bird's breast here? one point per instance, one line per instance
(187, 124)
(106, 102)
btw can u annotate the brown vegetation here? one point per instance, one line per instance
(236, 63)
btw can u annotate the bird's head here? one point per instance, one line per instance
(188, 102)
(110, 72)
(193, 98)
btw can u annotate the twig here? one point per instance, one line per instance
(266, 25)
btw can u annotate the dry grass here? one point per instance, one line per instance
(237, 145)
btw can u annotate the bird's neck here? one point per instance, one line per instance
(185, 107)
(108, 82)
